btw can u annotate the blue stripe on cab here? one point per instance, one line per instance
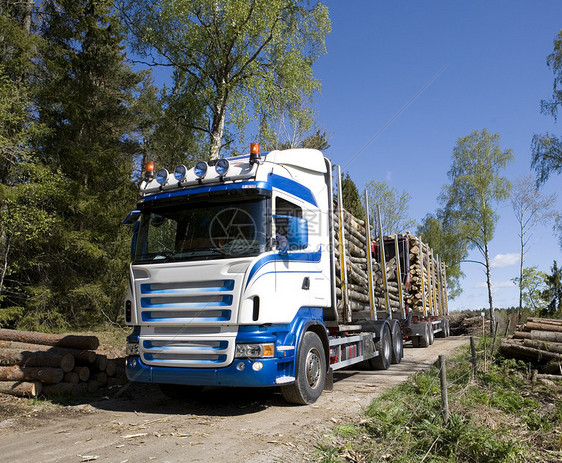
(292, 187)
(312, 257)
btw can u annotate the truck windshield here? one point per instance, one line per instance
(202, 230)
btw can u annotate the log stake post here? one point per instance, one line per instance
(420, 257)
(383, 262)
(439, 286)
(431, 282)
(369, 259)
(399, 277)
(445, 297)
(473, 358)
(444, 395)
(343, 262)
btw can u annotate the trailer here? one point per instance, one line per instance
(416, 286)
(243, 274)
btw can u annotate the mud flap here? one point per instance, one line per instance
(329, 384)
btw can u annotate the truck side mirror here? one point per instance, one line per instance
(291, 233)
(298, 233)
(132, 217)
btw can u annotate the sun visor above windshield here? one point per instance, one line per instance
(308, 159)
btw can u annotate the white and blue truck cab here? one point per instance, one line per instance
(233, 279)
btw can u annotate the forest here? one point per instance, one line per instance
(80, 115)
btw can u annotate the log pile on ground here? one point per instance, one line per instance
(468, 323)
(538, 341)
(33, 364)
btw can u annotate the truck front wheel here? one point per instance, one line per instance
(310, 372)
(425, 339)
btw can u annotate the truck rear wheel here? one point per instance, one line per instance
(447, 328)
(431, 334)
(424, 338)
(310, 372)
(384, 347)
(397, 343)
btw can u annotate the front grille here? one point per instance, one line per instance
(200, 302)
(194, 353)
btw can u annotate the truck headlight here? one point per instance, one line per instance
(132, 348)
(254, 350)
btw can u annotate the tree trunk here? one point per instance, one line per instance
(5, 255)
(42, 374)
(27, 16)
(20, 389)
(10, 357)
(520, 308)
(217, 126)
(59, 389)
(534, 326)
(81, 355)
(56, 340)
(489, 283)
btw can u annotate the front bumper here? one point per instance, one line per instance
(239, 374)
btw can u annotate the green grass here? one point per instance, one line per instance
(499, 416)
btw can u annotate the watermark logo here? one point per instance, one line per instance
(233, 231)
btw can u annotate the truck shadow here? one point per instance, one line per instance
(212, 401)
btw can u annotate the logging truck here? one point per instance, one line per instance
(247, 271)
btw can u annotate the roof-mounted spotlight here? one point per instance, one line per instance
(180, 172)
(162, 176)
(200, 169)
(222, 166)
(255, 151)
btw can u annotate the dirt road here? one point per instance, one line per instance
(221, 425)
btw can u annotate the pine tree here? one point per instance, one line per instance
(87, 103)
(27, 189)
(552, 294)
(351, 199)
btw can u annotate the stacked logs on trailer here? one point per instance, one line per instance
(540, 342)
(427, 275)
(428, 279)
(357, 247)
(33, 364)
(392, 282)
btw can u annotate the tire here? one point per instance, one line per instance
(180, 391)
(384, 347)
(424, 338)
(431, 334)
(310, 374)
(416, 340)
(397, 343)
(447, 328)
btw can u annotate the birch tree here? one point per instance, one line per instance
(547, 148)
(476, 188)
(531, 208)
(231, 60)
(394, 207)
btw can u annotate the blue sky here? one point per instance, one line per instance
(472, 65)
